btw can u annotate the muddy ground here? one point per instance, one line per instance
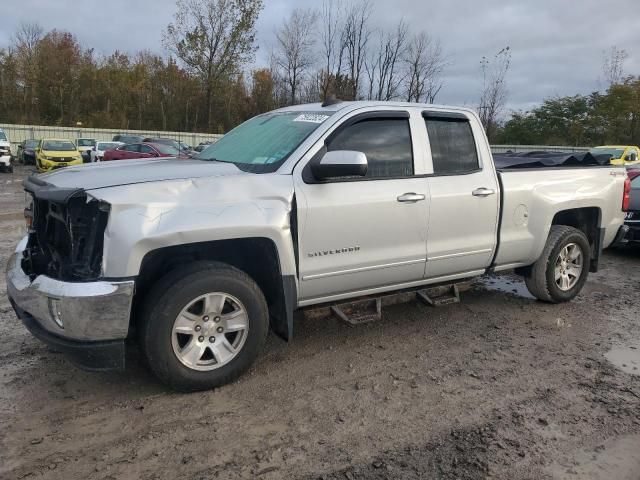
(498, 386)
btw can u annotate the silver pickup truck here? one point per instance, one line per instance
(307, 205)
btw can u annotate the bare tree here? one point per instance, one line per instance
(294, 53)
(354, 40)
(425, 63)
(382, 66)
(494, 89)
(332, 49)
(613, 65)
(25, 43)
(213, 38)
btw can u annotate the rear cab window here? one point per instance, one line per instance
(453, 146)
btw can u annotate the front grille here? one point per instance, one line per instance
(66, 238)
(63, 159)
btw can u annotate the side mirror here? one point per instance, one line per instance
(340, 163)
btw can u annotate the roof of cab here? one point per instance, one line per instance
(355, 105)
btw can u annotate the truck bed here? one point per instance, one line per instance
(529, 202)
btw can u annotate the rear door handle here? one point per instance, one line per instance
(483, 192)
(411, 197)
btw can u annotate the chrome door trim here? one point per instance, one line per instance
(461, 254)
(362, 269)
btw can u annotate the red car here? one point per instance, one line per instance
(142, 150)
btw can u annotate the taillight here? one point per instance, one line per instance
(626, 196)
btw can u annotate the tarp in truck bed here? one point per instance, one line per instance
(505, 161)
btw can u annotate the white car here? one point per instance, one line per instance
(84, 146)
(5, 153)
(97, 153)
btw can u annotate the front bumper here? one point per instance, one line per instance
(5, 160)
(87, 320)
(48, 165)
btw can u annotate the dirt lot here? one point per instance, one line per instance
(498, 386)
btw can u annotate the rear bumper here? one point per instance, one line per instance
(621, 237)
(633, 235)
(87, 320)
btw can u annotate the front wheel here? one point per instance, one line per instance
(203, 325)
(561, 271)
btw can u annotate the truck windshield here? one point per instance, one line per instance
(262, 144)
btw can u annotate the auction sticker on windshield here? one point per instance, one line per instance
(310, 117)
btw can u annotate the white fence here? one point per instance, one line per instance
(18, 133)
(537, 148)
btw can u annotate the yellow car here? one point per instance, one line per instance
(620, 154)
(52, 153)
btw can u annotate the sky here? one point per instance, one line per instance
(557, 45)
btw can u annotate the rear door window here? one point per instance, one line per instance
(453, 148)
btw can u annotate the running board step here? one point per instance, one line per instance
(363, 311)
(439, 296)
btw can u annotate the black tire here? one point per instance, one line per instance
(540, 280)
(175, 291)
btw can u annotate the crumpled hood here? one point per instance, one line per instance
(92, 176)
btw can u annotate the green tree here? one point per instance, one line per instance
(213, 39)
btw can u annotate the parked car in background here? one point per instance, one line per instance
(84, 146)
(5, 152)
(26, 153)
(183, 147)
(53, 153)
(142, 150)
(632, 216)
(97, 153)
(620, 154)
(201, 146)
(124, 138)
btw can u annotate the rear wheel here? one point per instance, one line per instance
(561, 271)
(203, 325)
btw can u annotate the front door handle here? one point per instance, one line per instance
(483, 192)
(411, 197)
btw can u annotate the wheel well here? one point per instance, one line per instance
(257, 257)
(587, 220)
